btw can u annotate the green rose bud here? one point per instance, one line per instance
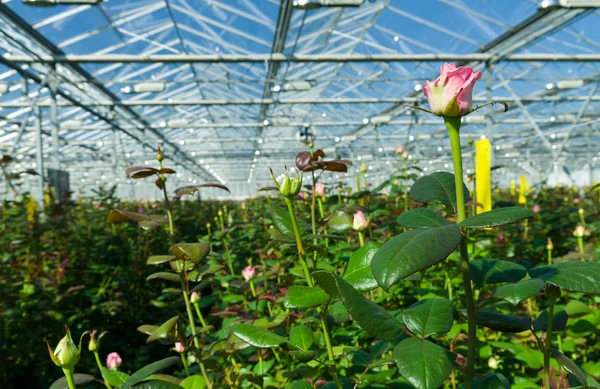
(363, 168)
(94, 343)
(159, 155)
(552, 291)
(296, 185)
(66, 354)
(289, 187)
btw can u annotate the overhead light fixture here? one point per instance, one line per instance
(380, 119)
(153, 86)
(282, 121)
(72, 124)
(50, 3)
(3, 88)
(570, 84)
(314, 4)
(300, 85)
(579, 3)
(178, 123)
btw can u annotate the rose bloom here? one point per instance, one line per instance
(113, 360)
(579, 232)
(452, 83)
(399, 149)
(248, 273)
(359, 222)
(320, 189)
(536, 208)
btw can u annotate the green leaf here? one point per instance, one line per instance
(164, 276)
(115, 378)
(423, 364)
(299, 296)
(494, 381)
(504, 323)
(573, 276)
(516, 292)
(258, 337)
(359, 273)
(148, 370)
(430, 316)
(193, 382)
(559, 320)
(165, 330)
(576, 309)
(437, 187)
(496, 217)
(194, 252)
(494, 271)
(158, 259)
(422, 217)
(80, 379)
(302, 337)
(339, 221)
(369, 316)
(157, 384)
(281, 221)
(569, 365)
(415, 250)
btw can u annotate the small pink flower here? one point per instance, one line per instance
(579, 232)
(194, 297)
(302, 194)
(536, 208)
(320, 189)
(113, 361)
(399, 149)
(360, 221)
(248, 273)
(405, 154)
(576, 200)
(155, 205)
(179, 347)
(500, 238)
(243, 205)
(452, 83)
(140, 210)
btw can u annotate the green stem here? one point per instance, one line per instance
(185, 364)
(358, 182)
(453, 125)
(301, 252)
(199, 313)
(548, 345)
(581, 248)
(100, 367)
(549, 256)
(361, 238)
(169, 214)
(70, 379)
(290, 206)
(252, 289)
(329, 346)
(188, 308)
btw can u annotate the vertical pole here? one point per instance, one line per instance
(115, 141)
(39, 150)
(54, 128)
(489, 83)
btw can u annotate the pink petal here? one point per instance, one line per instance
(465, 99)
(445, 68)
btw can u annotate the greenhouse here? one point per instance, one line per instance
(299, 194)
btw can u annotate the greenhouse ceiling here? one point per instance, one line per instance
(230, 88)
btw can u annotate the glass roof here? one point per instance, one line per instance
(226, 87)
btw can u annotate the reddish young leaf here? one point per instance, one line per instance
(140, 171)
(166, 170)
(188, 190)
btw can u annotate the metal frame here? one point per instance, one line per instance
(220, 76)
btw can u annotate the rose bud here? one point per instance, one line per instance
(451, 94)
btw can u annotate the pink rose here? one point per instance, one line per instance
(360, 221)
(405, 154)
(576, 200)
(399, 149)
(452, 93)
(536, 208)
(580, 232)
(113, 361)
(179, 347)
(320, 189)
(248, 273)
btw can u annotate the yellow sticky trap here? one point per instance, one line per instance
(513, 188)
(523, 190)
(31, 208)
(483, 181)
